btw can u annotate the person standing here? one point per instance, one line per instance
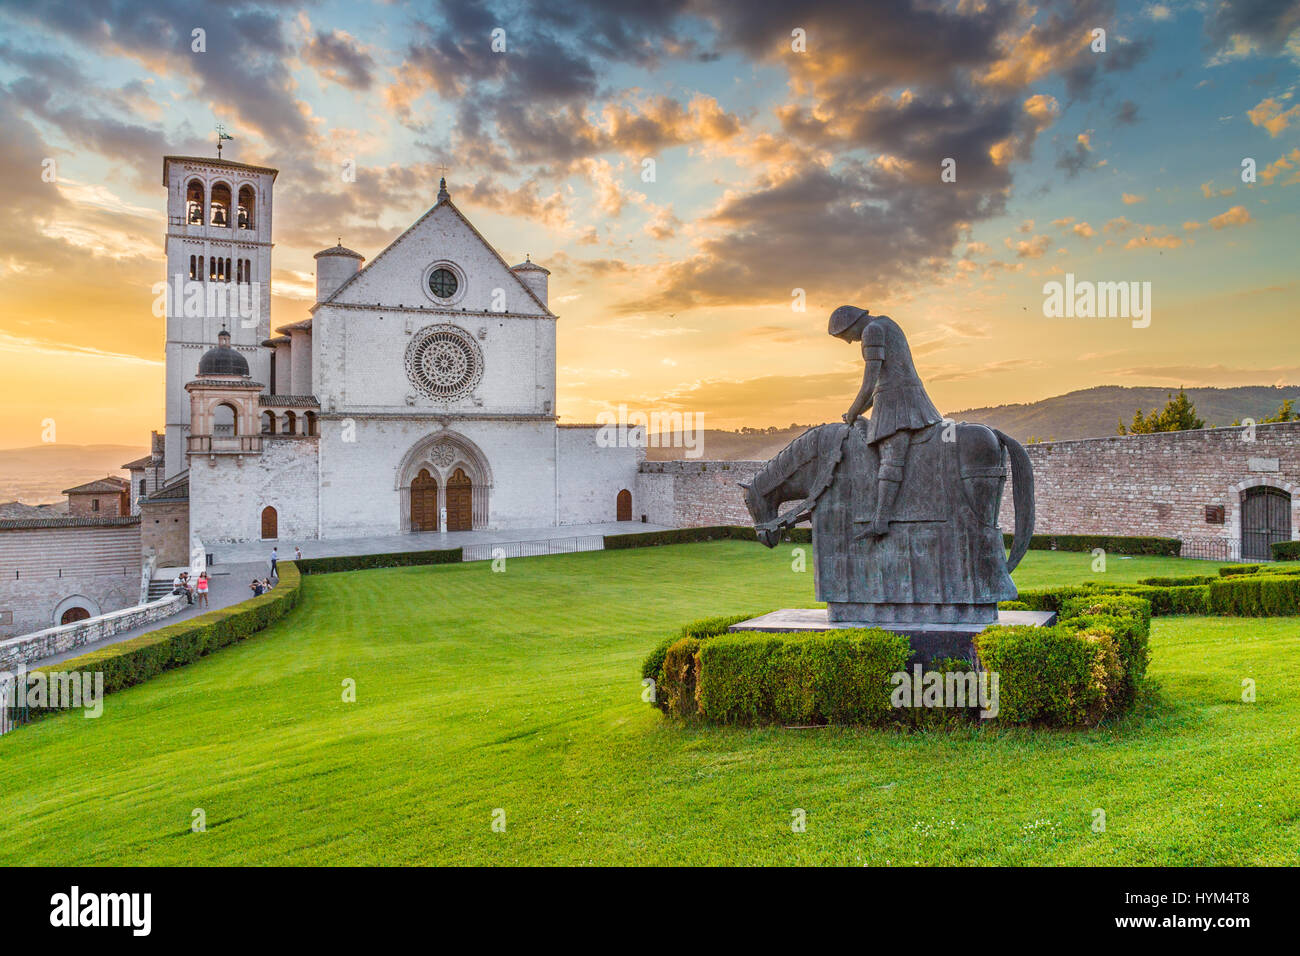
(275, 556)
(297, 553)
(201, 586)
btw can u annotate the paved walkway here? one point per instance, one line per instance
(226, 586)
(419, 541)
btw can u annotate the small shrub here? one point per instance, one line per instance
(1255, 595)
(839, 677)
(1058, 676)
(1286, 550)
(676, 689)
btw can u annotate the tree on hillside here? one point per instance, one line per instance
(1178, 415)
(1284, 413)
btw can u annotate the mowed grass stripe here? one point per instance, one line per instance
(520, 690)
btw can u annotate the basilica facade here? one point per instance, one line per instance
(417, 393)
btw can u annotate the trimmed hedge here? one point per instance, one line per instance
(839, 677)
(366, 562)
(135, 661)
(1061, 676)
(1088, 666)
(667, 683)
(1286, 550)
(1255, 595)
(1127, 618)
(1111, 544)
(1188, 581)
(651, 539)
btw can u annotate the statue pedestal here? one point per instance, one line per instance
(929, 641)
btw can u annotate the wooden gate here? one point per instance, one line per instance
(74, 614)
(270, 523)
(424, 502)
(624, 507)
(1265, 518)
(460, 502)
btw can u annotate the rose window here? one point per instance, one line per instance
(443, 362)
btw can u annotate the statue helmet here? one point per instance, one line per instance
(845, 316)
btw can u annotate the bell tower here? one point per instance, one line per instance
(218, 275)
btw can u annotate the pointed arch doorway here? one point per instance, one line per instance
(460, 502)
(424, 502)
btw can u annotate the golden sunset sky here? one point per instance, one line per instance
(794, 147)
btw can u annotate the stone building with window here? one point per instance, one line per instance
(417, 394)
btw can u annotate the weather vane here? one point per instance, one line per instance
(221, 135)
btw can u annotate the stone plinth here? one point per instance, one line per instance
(929, 641)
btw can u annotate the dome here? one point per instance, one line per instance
(339, 250)
(223, 360)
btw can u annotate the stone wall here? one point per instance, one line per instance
(165, 527)
(683, 494)
(49, 566)
(1127, 485)
(29, 648)
(1160, 484)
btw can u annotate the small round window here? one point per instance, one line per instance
(442, 283)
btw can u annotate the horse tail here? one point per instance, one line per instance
(1022, 488)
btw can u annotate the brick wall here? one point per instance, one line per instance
(46, 570)
(683, 494)
(1160, 484)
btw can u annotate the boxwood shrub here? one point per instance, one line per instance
(1058, 676)
(366, 562)
(1286, 550)
(839, 677)
(652, 668)
(1255, 595)
(650, 539)
(1110, 543)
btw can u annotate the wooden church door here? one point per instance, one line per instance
(424, 502)
(460, 502)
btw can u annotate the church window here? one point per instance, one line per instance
(444, 362)
(268, 423)
(226, 273)
(194, 203)
(442, 283)
(244, 213)
(194, 273)
(220, 205)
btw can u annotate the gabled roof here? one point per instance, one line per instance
(148, 461)
(177, 489)
(415, 225)
(100, 486)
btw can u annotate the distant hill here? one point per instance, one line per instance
(1088, 413)
(39, 473)
(753, 444)
(1095, 412)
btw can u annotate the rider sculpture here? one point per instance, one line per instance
(904, 505)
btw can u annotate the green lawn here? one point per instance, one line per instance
(520, 691)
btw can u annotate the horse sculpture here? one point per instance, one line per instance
(942, 558)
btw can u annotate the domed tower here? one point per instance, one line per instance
(223, 404)
(533, 276)
(335, 266)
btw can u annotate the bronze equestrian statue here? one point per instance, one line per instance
(904, 506)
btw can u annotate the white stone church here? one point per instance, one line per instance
(416, 394)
